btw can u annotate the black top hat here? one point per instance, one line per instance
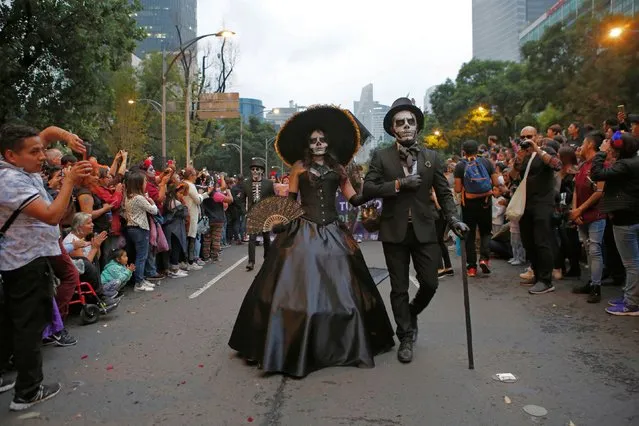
(402, 104)
(343, 132)
(256, 162)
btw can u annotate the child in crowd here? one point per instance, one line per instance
(116, 273)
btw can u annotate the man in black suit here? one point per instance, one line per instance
(257, 189)
(403, 175)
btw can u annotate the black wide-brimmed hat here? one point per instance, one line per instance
(256, 162)
(402, 104)
(342, 130)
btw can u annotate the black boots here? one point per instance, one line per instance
(250, 266)
(582, 289)
(595, 294)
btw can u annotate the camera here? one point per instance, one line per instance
(525, 143)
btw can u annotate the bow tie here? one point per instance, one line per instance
(408, 154)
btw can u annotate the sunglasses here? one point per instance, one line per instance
(255, 169)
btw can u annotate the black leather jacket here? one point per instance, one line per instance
(621, 193)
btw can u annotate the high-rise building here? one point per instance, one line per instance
(567, 12)
(371, 113)
(497, 23)
(250, 107)
(278, 116)
(159, 19)
(428, 109)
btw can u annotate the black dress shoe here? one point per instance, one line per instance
(413, 323)
(405, 351)
(250, 266)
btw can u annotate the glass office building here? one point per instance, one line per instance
(159, 19)
(567, 12)
(497, 24)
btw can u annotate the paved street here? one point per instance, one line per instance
(171, 364)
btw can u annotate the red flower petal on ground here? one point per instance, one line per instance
(84, 356)
(109, 367)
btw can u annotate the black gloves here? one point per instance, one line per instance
(358, 200)
(458, 227)
(411, 182)
(279, 228)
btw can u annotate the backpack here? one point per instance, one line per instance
(476, 177)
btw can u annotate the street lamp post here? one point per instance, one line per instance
(165, 72)
(239, 149)
(266, 144)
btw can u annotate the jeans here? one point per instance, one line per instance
(26, 311)
(150, 268)
(223, 238)
(140, 239)
(627, 239)
(592, 235)
(477, 213)
(518, 248)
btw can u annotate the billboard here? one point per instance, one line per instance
(215, 106)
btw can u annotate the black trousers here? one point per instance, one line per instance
(536, 236)
(478, 213)
(444, 260)
(426, 258)
(251, 248)
(27, 308)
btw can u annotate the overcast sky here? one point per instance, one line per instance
(326, 51)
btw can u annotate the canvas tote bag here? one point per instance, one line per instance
(517, 205)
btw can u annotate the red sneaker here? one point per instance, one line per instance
(485, 266)
(472, 272)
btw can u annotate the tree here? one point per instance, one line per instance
(129, 130)
(57, 57)
(583, 72)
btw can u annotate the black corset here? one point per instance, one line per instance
(318, 197)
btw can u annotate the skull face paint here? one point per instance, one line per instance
(405, 127)
(317, 143)
(256, 173)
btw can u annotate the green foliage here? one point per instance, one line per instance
(57, 59)
(571, 73)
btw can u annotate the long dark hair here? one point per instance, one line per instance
(329, 158)
(135, 184)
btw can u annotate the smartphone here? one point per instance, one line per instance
(621, 108)
(87, 153)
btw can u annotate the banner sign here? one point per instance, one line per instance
(351, 217)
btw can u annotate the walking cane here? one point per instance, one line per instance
(469, 332)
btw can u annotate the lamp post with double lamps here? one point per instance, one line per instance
(165, 73)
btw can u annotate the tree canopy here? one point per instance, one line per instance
(58, 57)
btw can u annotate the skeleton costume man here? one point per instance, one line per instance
(403, 175)
(257, 189)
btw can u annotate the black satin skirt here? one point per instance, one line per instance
(313, 304)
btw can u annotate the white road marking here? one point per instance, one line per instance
(219, 277)
(414, 281)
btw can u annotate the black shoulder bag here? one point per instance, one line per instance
(6, 227)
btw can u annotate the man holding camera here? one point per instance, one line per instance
(535, 224)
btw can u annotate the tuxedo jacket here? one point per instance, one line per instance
(266, 190)
(385, 167)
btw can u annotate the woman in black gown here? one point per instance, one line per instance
(314, 304)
